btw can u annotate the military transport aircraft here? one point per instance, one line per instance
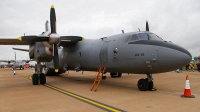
(141, 52)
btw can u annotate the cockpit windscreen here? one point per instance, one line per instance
(141, 36)
(149, 36)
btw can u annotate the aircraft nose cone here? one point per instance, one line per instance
(173, 57)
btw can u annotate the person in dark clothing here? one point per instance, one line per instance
(187, 67)
(198, 66)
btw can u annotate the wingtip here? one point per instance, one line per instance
(20, 38)
(52, 7)
(83, 38)
(56, 70)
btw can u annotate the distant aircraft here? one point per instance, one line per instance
(141, 52)
(3, 64)
(15, 63)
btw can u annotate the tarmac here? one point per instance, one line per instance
(71, 92)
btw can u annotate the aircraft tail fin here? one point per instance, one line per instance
(15, 56)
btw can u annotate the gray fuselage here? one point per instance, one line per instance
(124, 53)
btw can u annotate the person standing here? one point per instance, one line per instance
(198, 66)
(192, 66)
(187, 66)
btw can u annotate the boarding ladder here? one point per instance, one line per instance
(98, 78)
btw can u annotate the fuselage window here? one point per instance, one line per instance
(144, 36)
(134, 37)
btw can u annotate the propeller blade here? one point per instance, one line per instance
(33, 38)
(55, 57)
(53, 19)
(147, 26)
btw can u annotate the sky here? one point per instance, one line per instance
(177, 21)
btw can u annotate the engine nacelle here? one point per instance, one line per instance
(41, 53)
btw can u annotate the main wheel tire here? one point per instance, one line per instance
(112, 75)
(150, 85)
(104, 77)
(119, 75)
(142, 84)
(35, 79)
(42, 79)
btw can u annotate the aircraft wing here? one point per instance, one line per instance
(7, 61)
(13, 41)
(27, 61)
(19, 49)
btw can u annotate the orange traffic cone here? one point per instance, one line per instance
(187, 92)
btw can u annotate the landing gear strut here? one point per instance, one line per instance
(38, 76)
(146, 84)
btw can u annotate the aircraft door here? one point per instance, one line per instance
(151, 61)
(104, 54)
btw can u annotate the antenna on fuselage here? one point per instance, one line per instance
(139, 29)
(147, 25)
(122, 31)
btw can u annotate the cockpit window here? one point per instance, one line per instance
(144, 36)
(153, 37)
(126, 39)
(130, 38)
(159, 37)
(149, 36)
(134, 37)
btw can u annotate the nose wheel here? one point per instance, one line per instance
(146, 84)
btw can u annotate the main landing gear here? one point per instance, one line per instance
(146, 84)
(38, 76)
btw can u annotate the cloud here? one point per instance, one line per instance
(175, 21)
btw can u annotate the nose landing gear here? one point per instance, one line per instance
(146, 84)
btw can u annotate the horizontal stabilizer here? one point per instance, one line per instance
(27, 61)
(19, 49)
(7, 61)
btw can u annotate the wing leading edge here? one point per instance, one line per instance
(13, 41)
